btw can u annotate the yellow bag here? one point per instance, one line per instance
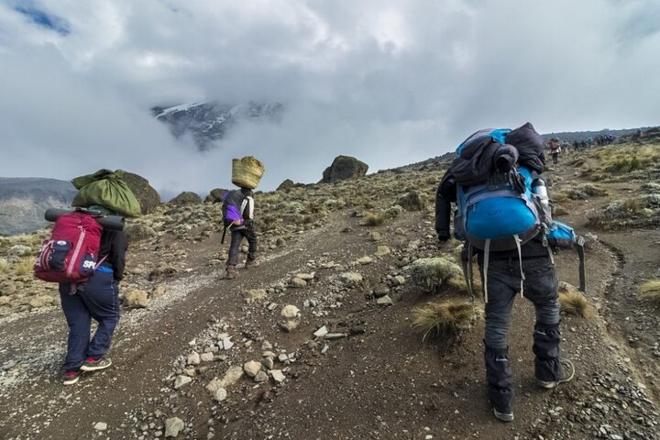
(246, 172)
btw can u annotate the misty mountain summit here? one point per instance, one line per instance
(208, 122)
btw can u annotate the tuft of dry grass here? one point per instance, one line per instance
(444, 319)
(650, 291)
(374, 219)
(24, 266)
(573, 302)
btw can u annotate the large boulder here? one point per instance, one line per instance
(186, 198)
(343, 168)
(147, 196)
(216, 195)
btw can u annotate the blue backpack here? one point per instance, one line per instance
(504, 213)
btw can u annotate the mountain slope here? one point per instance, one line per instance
(23, 202)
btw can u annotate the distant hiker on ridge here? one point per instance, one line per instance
(503, 215)
(238, 212)
(555, 150)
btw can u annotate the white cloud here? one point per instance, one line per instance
(388, 81)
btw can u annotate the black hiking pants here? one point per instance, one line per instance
(540, 287)
(237, 236)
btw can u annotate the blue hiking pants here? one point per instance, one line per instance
(96, 299)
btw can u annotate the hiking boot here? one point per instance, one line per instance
(250, 263)
(70, 377)
(231, 273)
(567, 374)
(96, 364)
(503, 416)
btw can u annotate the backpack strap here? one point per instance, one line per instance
(579, 247)
(486, 255)
(522, 273)
(467, 270)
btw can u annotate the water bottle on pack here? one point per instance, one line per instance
(541, 194)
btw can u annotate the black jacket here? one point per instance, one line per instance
(114, 245)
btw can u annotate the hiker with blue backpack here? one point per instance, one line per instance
(504, 217)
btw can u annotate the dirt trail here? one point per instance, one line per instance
(380, 382)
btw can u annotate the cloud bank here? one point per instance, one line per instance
(387, 81)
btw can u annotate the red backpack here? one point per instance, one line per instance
(71, 253)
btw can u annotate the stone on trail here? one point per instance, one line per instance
(251, 368)
(230, 378)
(194, 359)
(256, 294)
(384, 301)
(220, 395)
(277, 375)
(181, 381)
(298, 282)
(399, 280)
(321, 332)
(290, 312)
(306, 276)
(101, 426)
(207, 357)
(261, 377)
(173, 426)
(365, 260)
(351, 278)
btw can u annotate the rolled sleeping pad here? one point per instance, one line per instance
(110, 222)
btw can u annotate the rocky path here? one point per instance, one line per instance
(369, 377)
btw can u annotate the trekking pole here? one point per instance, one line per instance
(579, 247)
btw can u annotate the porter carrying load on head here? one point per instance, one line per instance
(238, 211)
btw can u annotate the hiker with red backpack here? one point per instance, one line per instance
(87, 260)
(503, 215)
(238, 218)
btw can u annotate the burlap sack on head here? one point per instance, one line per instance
(106, 188)
(246, 172)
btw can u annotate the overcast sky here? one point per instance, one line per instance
(388, 81)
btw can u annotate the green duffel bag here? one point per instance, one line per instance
(106, 188)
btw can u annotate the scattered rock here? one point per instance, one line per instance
(261, 377)
(207, 357)
(181, 381)
(173, 426)
(256, 294)
(365, 260)
(216, 195)
(277, 375)
(351, 278)
(298, 282)
(251, 368)
(194, 358)
(384, 301)
(186, 198)
(291, 315)
(143, 191)
(101, 426)
(220, 394)
(321, 332)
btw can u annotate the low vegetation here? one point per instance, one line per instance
(444, 319)
(573, 302)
